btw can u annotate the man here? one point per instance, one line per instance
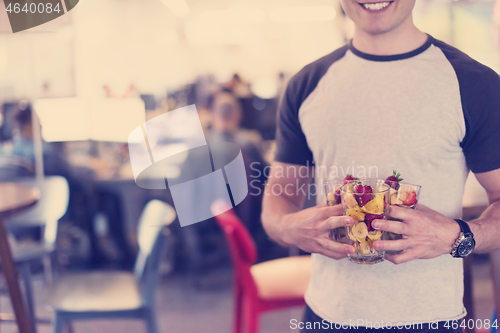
(393, 98)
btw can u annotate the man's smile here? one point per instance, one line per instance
(376, 6)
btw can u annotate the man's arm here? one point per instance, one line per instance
(486, 228)
(286, 222)
(429, 234)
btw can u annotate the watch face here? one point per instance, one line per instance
(466, 247)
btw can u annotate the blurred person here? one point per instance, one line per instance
(22, 145)
(225, 127)
(238, 87)
(392, 98)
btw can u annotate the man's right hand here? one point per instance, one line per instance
(310, 230)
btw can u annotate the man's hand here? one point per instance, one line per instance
(310, 230)
(426, 234)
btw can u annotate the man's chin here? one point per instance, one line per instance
(376, 30)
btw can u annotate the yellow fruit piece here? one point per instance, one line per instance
(361, 240)
(375, 236)
(406, 189)
(395, 200)
(331, 199)
(356, 213)
(375, 206)
(360, 230)
(349, 200)
(364, 248)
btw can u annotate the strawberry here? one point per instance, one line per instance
(349, 179)
(363, 194)
(393, 181)
(411, 199)
(369, 218)
(337, 196)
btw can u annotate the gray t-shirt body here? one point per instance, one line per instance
(432, 115)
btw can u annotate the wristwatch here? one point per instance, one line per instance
(465, 243)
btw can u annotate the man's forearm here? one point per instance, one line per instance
(486, 229)
(274, 210)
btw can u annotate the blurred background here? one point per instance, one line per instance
(72, 90)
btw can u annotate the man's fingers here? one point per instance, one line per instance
(391, 245)
(327, 211)
(333, 246)
(390, 226)
(335, 222)
(401, 213)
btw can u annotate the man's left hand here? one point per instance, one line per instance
(426, 234)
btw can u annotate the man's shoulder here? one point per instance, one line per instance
(313, 72)
(464, 65)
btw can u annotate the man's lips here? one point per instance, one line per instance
(376, 6)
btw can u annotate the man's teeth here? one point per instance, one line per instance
(376, 6)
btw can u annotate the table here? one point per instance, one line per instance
(13, 199)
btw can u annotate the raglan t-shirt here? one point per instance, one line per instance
(431, 114)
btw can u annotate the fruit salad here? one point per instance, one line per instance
(333, 196)
(365, 201)
(403, 195)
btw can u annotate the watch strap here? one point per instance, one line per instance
(464, 227)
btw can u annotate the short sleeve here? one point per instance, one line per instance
(481, 144)
(291, 143)
(480, 96)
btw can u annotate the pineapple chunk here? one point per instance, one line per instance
(375, 206)
(356, 213)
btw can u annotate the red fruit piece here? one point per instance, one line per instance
(411, 199)
(349, 179)
(363, 194)
(359, 189)
(337, 196)
(393, 181)
(369, 218)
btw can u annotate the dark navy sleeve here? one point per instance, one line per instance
(480, 94)
(291, 143)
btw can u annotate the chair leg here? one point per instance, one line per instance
(69, 327)
(58, 323)
(47, 269)
(150, 318)
(251, 315)
(28, 289)
(238, 308)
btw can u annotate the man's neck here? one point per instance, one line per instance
(405, 38)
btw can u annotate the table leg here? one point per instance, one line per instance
(11, 277)
(468, 295)
(28, 291)
(495, 269)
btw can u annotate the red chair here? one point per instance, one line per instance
(258, 288)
